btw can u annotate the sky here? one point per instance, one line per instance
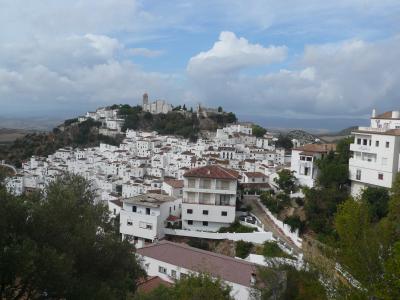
(283, 63)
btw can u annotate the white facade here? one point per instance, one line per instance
(144, 217)
(303, 162)
(172, 269)
(375, 153)
(208, 203)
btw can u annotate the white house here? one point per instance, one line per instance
(375, 153)
(303, 162)
(172, 261)
(143, 217)
(173, 187)
(209, 198)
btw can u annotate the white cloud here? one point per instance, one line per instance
(231, 53)
(346, 78)
(145, 52)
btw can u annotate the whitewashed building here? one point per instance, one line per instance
(144, 217)
(303, 162)
(209, 198)
(375, 153)
(172, 261)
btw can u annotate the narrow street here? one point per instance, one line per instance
(269, 225)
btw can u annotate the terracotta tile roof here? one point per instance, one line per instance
(174, 183)
(150, 283)
(172, 218)
(385, 115)
(117, 202)
(225, 267)
(255, 174)
(212, 171)
(316, 148)
(395, 132)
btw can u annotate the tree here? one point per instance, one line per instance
(184, 107)
(242, 248)
(48, 243)
(286, 181)
(284, 142)
(331, 171)
(220, 110)
(194, 287)
(378, 199)
(258, 131)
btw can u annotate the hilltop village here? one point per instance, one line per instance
(163, 186)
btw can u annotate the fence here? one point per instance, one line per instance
(254, 237)
(287, 230)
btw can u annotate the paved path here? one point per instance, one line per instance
(268, 223)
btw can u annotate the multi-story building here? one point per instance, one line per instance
(209, 198)
(303, 162)
(173, 261)
(375, 153)
(156, 107)
(144, 217)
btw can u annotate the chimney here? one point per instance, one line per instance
(373, 113)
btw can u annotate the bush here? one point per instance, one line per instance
(237, 227)
(275, 204)
(243, 248)
(198, 243)
(271, 249)
(295, 223)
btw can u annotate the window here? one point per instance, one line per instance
(205, 212)
(129, 223)
(162, 270)
(376, 143)
(306, 171)
(302, 158)
(191, 183)
(145, 225)
(173, 273)
(309, 158)
(358, 174)
(359, 141)
(380, 176)
(183, 275)
(365, 142)
(224, 199)
(224, 213)
(134, 208)
(253, 179)
(387, 144)
(189, 211)
(115, 211)
(205, 223)
(147, 211)
(190, 222)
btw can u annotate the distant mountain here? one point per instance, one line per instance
(302, 136)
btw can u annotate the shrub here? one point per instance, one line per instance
(271, 249)
(295, 223)
(237, 227)
(243, 248)
(198, 243)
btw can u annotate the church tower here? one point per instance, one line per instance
(145, 99)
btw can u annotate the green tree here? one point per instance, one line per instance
(193, 287)
(242, 248)
(48, 243)
(220, 110)
(258, 131)
(284, 142)
(286, 181)
(378, 199)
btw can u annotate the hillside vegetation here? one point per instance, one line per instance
(86, 134)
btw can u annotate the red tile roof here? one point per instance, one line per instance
(150, 283)
(174, 183)
(212, 171)
(225, 267)
(385, 115)
(255, 174)
(316, 148)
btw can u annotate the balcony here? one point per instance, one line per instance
(362, 148)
